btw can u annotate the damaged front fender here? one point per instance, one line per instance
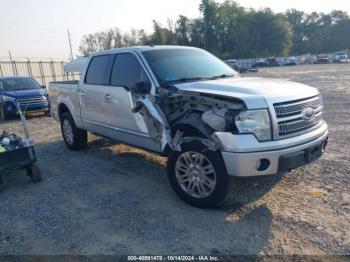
(157, 114)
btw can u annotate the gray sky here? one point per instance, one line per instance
(38, 28)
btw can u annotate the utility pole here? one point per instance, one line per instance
(70, 45)
(10, 56)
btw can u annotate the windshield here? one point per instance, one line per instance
(15, 84)
(171, 65)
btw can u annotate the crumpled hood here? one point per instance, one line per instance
(24, 93)
(254, 91)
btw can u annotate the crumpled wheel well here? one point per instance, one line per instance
(188, 130)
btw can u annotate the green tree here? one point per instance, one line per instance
(231, 31)
(112, 38)
(209, 9)
(183, 31)
(269, 34)
(160, 35)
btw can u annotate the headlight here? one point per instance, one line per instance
(8, 98)
(256, 122)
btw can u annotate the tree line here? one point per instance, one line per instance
(230, 31)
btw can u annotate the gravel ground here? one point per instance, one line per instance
(115, 199)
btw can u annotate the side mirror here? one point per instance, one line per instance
(143, 87)
(43, 87)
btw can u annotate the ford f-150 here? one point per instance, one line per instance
(187, 104)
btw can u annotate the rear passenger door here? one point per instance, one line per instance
(93, 91)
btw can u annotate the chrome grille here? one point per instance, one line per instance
(285, 110)
(298, 125)
(30, 101)
(290, 117)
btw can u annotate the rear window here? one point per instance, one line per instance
(96, 74)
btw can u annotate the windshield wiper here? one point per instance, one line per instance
(222, 76)
(185, 79)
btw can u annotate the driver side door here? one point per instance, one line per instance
(126, 72)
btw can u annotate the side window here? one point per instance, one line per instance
(97, 70)
(127, 71)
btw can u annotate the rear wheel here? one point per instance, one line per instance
(74, 137)
(198, 175)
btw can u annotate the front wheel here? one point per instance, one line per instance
(198, 175)
(3, 114)
(74, 137)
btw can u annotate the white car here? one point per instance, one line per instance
(289, 61)
(185, 103)
(341, 57)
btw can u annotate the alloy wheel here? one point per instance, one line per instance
(195, 174)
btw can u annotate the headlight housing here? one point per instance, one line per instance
(8, 98)
(256, 122)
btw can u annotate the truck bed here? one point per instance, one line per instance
(63, 91)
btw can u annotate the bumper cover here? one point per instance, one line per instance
(269, 162)
(10, 108)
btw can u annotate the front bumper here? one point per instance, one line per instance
(11, 109)
(275, 156)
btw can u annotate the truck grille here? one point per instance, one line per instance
(293, 120)
(30, 101)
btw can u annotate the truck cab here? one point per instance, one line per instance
(185, 103)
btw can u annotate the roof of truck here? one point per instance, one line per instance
(142, 48)
(79, 64)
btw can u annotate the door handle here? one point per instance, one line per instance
(108, 98)
(82, 93)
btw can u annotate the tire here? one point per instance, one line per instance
(3, 114)
(34, 173)
(74, 137)
(193, 177)
(48, 114)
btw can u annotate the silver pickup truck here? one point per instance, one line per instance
(187, 104)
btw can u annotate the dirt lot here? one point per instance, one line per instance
(114, 199)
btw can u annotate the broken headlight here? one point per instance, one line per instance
(255, 122)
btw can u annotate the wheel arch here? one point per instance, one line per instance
(63, 108)
(64, 105)
(188, 130)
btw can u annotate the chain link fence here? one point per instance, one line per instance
(44, 71)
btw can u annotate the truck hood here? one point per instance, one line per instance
(24, 93)
(254, 91)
